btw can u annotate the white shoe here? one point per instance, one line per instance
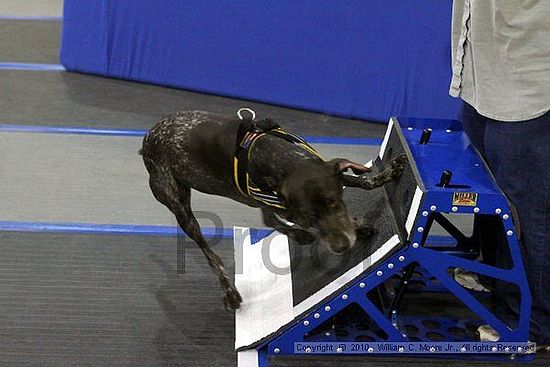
(488, 334)
(469, 280)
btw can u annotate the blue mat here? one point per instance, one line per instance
(364, 59)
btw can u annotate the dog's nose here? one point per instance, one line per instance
(341, 243)
(338, 250)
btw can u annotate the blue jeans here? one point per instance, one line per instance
(518, 154)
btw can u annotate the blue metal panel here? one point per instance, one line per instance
(435, 124)
(449, 151)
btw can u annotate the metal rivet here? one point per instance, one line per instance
(379, 273)
(498, 210)
(424, 213)
(433, 208)
(362, 285)
(327, 308)
(338, 350)
(510, 232)
(276, 350)
(520, 349)
(370, 350)
(415, 245)
(507, 349)
(448, 130)
(306, 323)
(432, 349)
(390, 266)
(401, 349)
(420, 229)
(344, 296)
(316, 316)
(462, 349)
(494, 349)
(454, 209)
(401, 258)
(505, 216)
(308, 350)
(476, 210)
(327, 333)
(409, 128)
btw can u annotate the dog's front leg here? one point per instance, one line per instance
(299, 236)
(397, 165)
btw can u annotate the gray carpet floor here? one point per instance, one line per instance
(30, 41)
(101, 179)
(99, 300)
(25, 8)
(69, 99)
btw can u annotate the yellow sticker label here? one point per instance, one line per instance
(465, 198)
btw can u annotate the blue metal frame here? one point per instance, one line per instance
(448, 143)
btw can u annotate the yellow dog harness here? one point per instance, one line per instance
(249, 133)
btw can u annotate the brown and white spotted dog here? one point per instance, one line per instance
(196, 150)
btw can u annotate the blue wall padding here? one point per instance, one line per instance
(368, 59)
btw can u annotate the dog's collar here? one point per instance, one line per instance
(248, 134)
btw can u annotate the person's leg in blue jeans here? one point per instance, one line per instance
(474, 125)
(518, 154)
(488, 231)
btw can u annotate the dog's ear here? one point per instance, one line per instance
(341, 165)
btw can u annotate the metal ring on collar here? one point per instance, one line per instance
(251, 111)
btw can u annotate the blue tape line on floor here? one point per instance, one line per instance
(119, 229)
(70, 130)
(130, 132)
(149, 230)
(30, 67)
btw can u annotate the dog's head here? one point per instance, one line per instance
(312, 194)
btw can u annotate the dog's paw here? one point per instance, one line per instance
(399, 161)
(301, 237)
(232, 300)
(363, 230)
(398, 164)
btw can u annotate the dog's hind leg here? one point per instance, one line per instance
(177, 198)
